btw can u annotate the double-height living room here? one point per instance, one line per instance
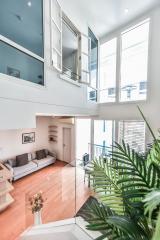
(36, 160)
(79, 122)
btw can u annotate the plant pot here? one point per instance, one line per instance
(37, 218)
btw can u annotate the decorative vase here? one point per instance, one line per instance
(37, 218)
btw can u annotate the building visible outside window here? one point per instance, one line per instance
(92, 94)
(93, 66)
(108, 71)
(133, 133)
(111, 91)
(134, 62)
(142, 87)
(103, 137)
(21, 40)
(70, 50)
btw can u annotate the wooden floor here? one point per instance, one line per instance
(57, 183)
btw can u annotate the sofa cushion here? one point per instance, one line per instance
(21, 160)
(46, 151)
(45, 161)
(41, 154)
(29, 156)
(33, 155)
(24, 169)
(12, 162)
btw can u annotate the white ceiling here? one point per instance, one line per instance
(106, 15)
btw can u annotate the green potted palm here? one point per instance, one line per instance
(127, 190)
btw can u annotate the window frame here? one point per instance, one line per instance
(117, 72)
(24, 50)
(98, 71)
(118, 35)
(69, 23)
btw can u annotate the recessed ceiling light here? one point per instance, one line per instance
(29, 4)
(126, 10)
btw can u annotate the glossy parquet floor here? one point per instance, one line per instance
(57, 183)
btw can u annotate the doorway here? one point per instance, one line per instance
(67, 145)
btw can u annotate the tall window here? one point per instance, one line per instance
(70, 49)
(134, 63)
(93, 66)
(108, 71)
(103, 133)
(103, 138)
(83, 137)
(21, 40)
(131, 72)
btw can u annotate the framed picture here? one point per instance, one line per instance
(28, 137)
(13, 72)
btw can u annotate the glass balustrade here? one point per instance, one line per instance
(67, 192)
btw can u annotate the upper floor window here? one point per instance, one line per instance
(21, 40)
(70, 49)
(134, 62)
(108, 71)
(123, 77)
(93, 66)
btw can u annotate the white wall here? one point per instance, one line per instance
(151, 107)
(21, 100)
(11, 140)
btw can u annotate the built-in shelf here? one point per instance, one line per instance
(53, 131)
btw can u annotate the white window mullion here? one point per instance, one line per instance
(118, 68)
(56, 35)
(98, 80)
(84, 59)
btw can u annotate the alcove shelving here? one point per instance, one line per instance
(53, 133)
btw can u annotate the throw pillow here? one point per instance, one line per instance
(22, 160)
(29, 157)
(12, 162)
(40, 154)
(33, 155)
(46, 151)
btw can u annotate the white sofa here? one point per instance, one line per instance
(33, 164)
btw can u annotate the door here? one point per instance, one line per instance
(67, 145)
